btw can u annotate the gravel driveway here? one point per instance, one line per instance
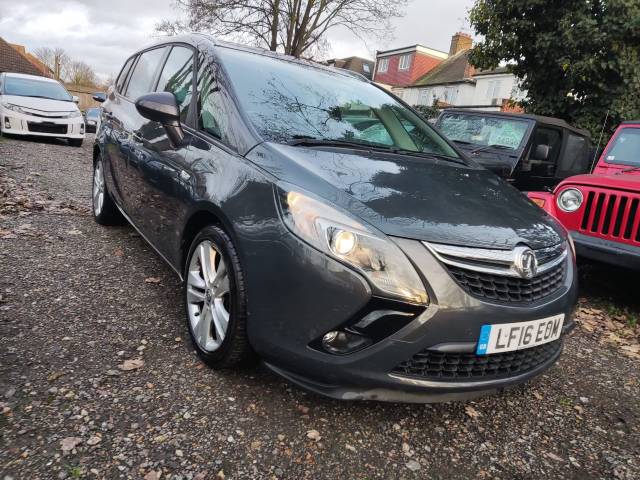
(79, 301)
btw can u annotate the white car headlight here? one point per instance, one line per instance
(75, 114)
(12, 107)
(570, 200)
(347, 240)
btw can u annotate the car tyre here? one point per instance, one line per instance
(216, 301)
(104, 208)
(75, 142)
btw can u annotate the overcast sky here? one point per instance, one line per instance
(104, 32)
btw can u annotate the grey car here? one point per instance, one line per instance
(320, 225)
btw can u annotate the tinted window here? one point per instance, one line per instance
(123, 75)
(576, 156)
(144, 72)
(27, 87)
(177, 78)
(625, 147)
(210, 109)
(287, 100)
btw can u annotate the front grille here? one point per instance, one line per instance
(430, 364)
(611, 214)
(47, 128)
(508, 289)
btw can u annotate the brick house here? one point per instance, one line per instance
(44, 70)
(403, 66)
(11, 60)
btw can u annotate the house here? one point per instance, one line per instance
(44, 70)
(403, 66)
(360, 65)
(455, 82)
(11, 60)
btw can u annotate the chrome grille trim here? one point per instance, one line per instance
(496, 262)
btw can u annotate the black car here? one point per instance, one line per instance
(319, 224)
(532, 152)
(92, 119)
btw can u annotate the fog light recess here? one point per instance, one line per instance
(340, 342)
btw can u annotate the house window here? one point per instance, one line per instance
(366, 68)
(383, 65)
(405, 62)
(493, 89)
(424, 97)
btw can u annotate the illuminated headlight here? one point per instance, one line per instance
(342, 237)
(570, 200)
(75, 114)
(14, 108)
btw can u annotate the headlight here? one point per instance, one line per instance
(12, 107)
(347, 240)
(570, 200)
(75, 114)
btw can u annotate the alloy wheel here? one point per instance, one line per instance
(208, 296)
(98, 188)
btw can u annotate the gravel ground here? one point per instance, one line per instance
(75, 306)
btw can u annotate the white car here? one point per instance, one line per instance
(32, 105)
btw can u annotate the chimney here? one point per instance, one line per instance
(460, 42)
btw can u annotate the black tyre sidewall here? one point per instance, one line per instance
(235, 349)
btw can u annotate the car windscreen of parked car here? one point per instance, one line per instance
(625, 148)
(483, 130)
(26, 87)
(286, 101)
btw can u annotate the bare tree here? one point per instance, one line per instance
(56, 59)
(80, 73)
(296, 27)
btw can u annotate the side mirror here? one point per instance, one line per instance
(541, 152)
(75, 99)
(162, 107)
(99, 97)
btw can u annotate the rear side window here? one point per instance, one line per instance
(144, 72)
(123, 75)
(177, 78)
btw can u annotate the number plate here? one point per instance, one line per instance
(507, 337)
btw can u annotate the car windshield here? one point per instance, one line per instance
(92, 113)
(625, 147)
(483, 130)
(288, 101)
(27, 87)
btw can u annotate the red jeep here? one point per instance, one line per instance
(601, 210)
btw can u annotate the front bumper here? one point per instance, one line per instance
(451, 323)
(16, 123)
(606, 251)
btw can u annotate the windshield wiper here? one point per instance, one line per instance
(627, 170)
(462, 142)
(488, 147)
(42, 96)
(313, 141)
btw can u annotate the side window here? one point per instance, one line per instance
(210, 118)
(123, 74)
(177, 78)
(550, 137)
(144, 72)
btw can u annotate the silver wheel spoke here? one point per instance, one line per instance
(222, 287)
(195, 280)
(207, 259)
(203, 328)
(195, 296)
(220, 319)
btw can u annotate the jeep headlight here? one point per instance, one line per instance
(570, 200)
(345, 239)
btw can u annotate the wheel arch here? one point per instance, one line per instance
(202, 215)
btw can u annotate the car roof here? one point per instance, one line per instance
(196, 39)
(630, 122)
(557, 122)
(29, 77)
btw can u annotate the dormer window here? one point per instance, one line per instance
(383, 65)
(405, 62)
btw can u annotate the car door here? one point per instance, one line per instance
(114, 138)
(163, 168)
(540, 172)
(128, 176)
